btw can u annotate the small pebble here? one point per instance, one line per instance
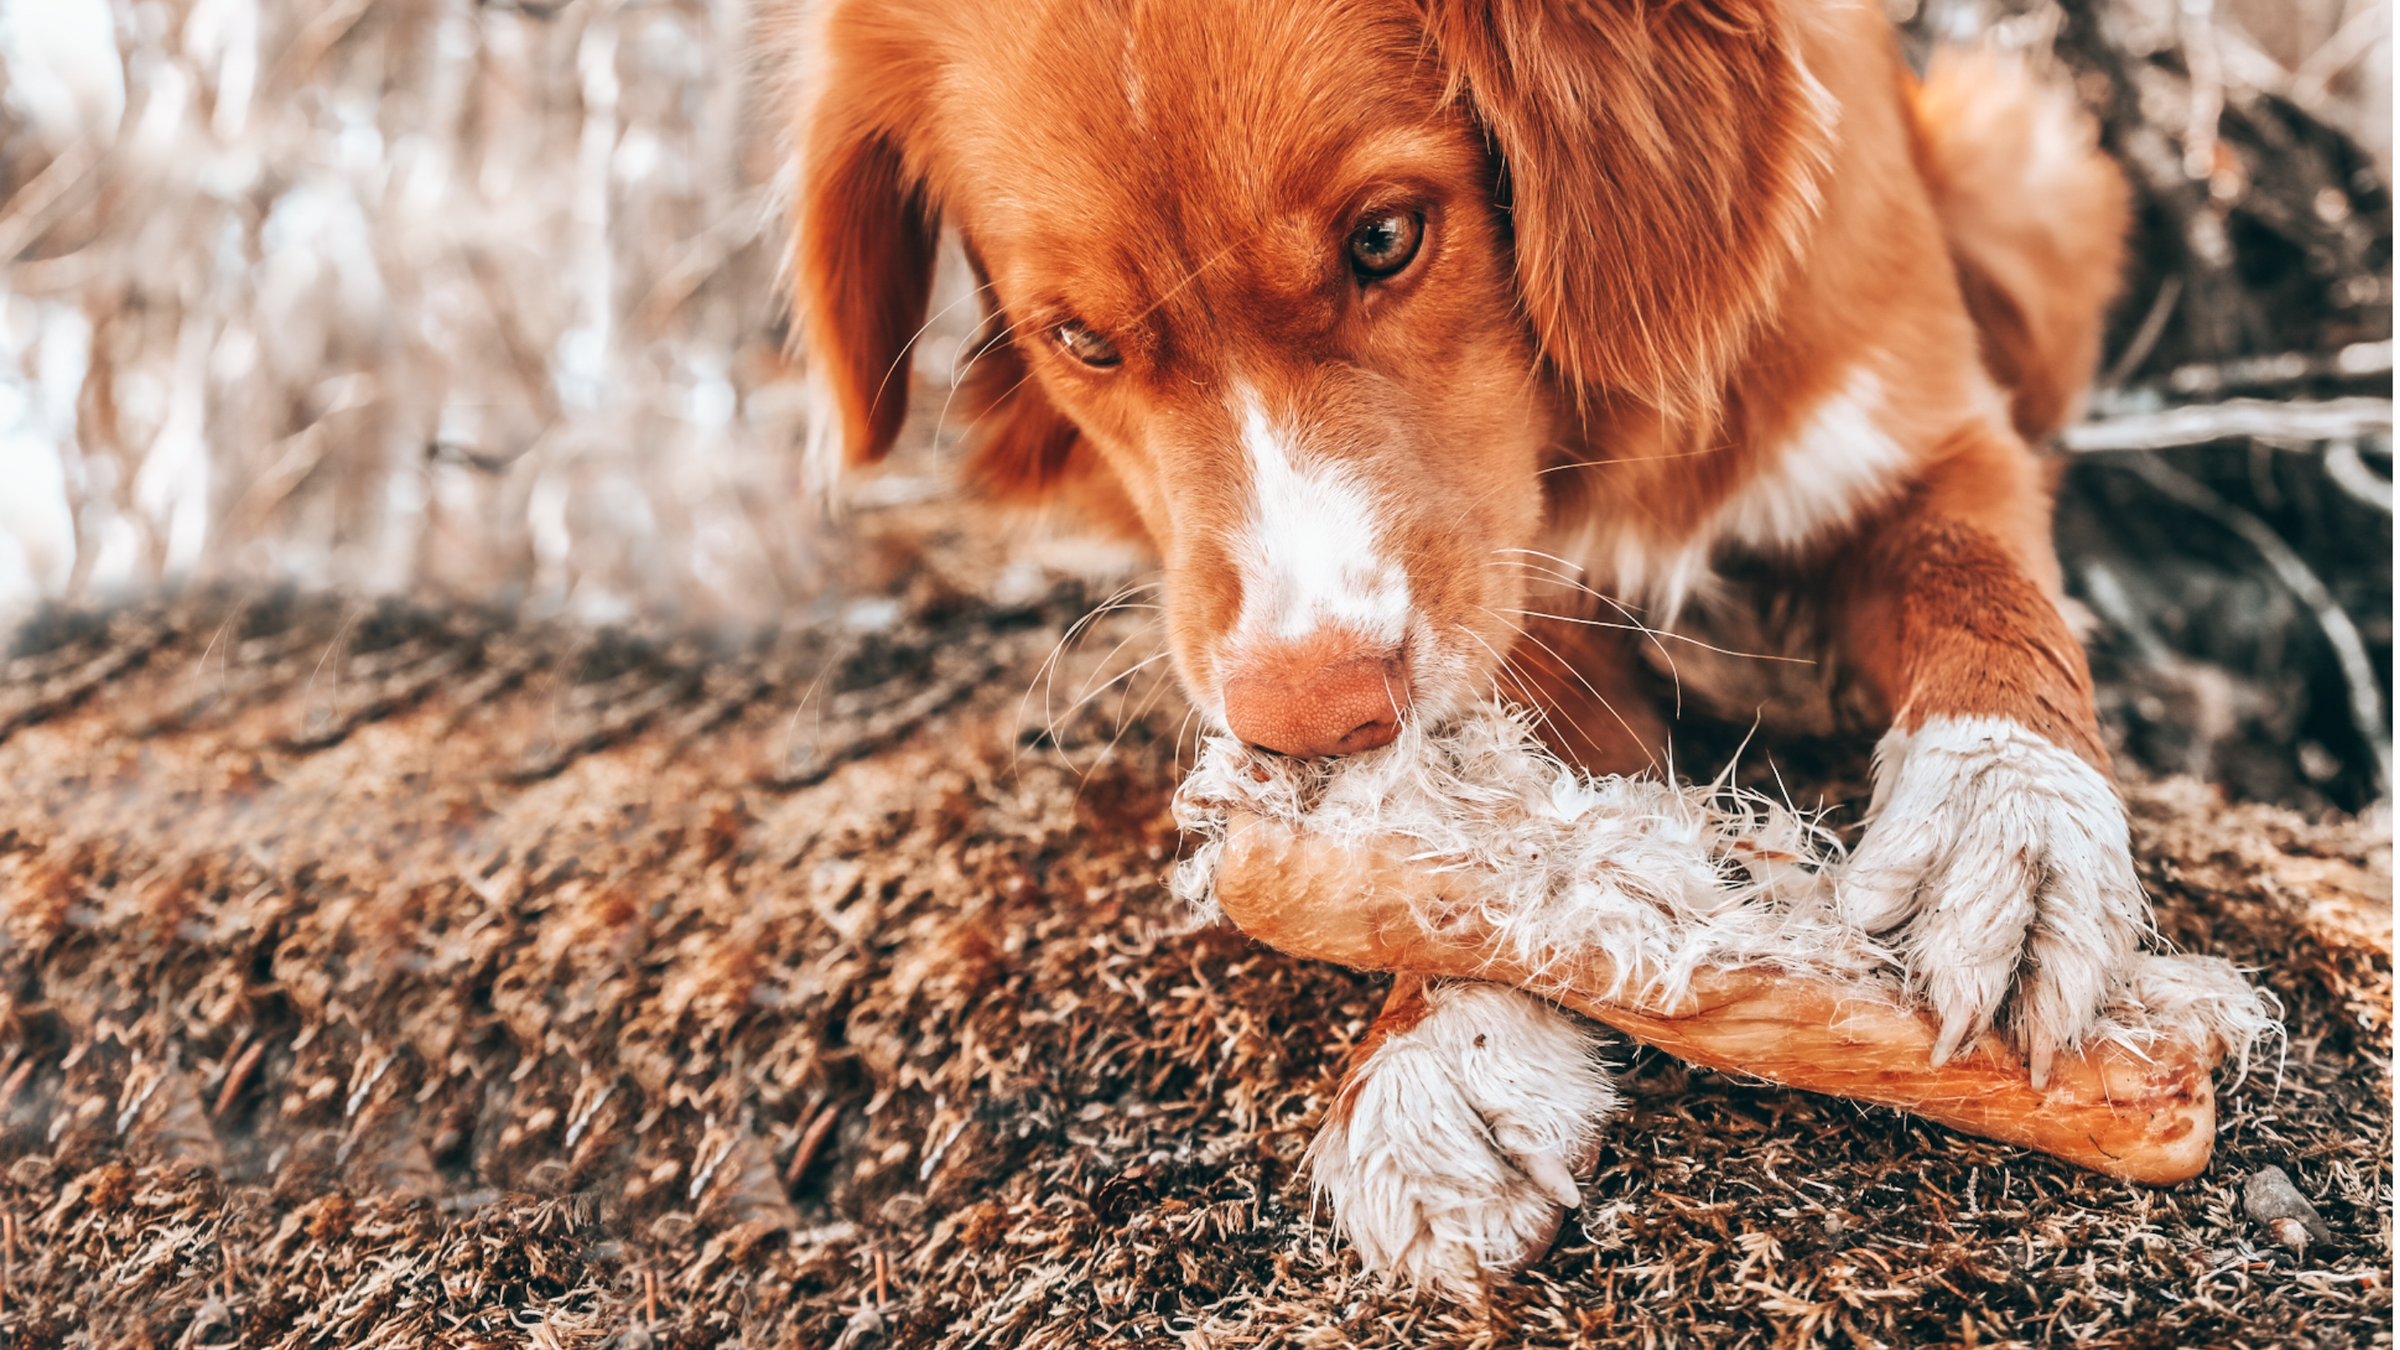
(2271, 1199)
(865, 1325)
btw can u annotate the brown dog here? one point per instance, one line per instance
(1390, 323)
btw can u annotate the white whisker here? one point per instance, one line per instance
(1569, 667)
(1674, 672)
(1044, 676)
(1656, 633)
(908, 348)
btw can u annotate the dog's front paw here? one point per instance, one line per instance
(1451, 1154)
(2001, 864)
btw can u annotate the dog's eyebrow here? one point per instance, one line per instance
(1421, 144)
(1194, 274)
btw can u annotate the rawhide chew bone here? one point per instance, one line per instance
(1693, 919)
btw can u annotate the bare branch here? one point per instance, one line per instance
(2350, 473)
(2233, 420)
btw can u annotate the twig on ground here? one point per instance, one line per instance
(2350, 473)
(28, 212)
(2145, 337)
(2206, 100)
(2233, 420)
(2313, 81)
(810, 1142)
(235, 1077)
(16, 1080)
(2358, 361)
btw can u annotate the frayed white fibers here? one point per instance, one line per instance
(1668, 880)
(2191, 999)
(1663, 879)
(1444, 1155)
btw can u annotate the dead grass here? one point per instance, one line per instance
(385, 977)
(387, 974)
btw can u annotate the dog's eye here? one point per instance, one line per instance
(1086, 346)
(1385, 242)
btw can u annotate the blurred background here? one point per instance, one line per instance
(394, 295)
(466, 301)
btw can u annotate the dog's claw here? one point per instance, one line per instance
(2043, 1055)
(1955, 1033)
(1548, 1170)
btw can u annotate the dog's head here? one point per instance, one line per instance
(1317, 288)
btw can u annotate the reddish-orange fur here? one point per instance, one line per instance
(1403, 1008)
(2039, 249)
(1663, 239)
(1666, 232)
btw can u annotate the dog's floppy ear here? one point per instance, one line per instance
(865, 229)
(1660, 159)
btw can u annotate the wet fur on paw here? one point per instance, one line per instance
(1450, 1156)
(1999, 866)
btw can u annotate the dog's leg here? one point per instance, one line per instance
(1451, 1152)
(1996, 848)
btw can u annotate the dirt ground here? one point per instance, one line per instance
(383, 977)
(394, 974)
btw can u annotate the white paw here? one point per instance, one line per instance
(2001, 864)
(1450, 1156)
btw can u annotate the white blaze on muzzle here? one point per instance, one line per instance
(1311, 550)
